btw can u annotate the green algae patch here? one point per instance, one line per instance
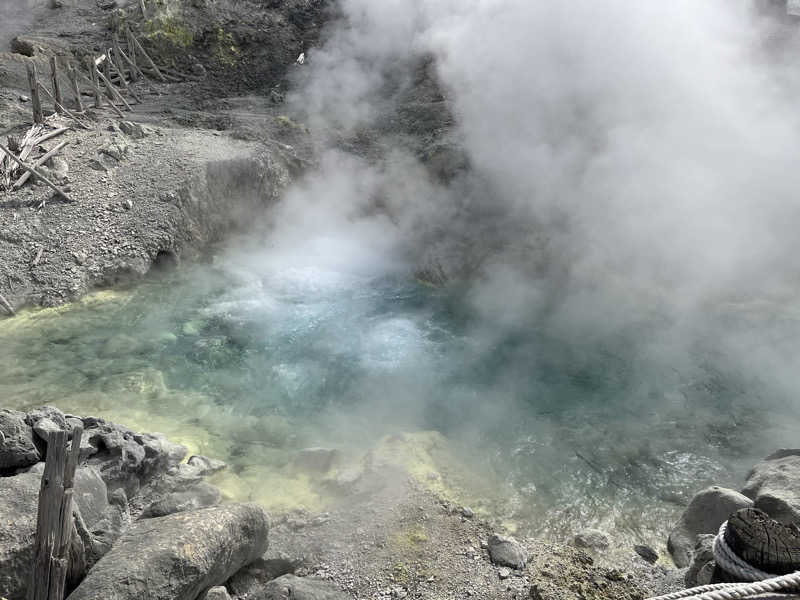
(224, 51)
(168, 35)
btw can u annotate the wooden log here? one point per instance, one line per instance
(49, 183)
(113, 93)
(98, 96)
(37, 163)
(59, 101)
(763, 542)
(131, 46)
(48, 136)
(61, 108)
(144, 9)
(7, 306)
(33, 83)
(76, 90)
(54, 524)
(124, 83)
(146, 57)
(111, 104)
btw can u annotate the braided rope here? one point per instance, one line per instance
(759, 582)
(731, 563)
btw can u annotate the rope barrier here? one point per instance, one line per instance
(757, 583)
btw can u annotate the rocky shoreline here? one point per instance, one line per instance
(147, 522)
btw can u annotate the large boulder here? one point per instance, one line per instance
(17, 449)
(179, 556)
(507, 552)
(706, 512)
(774, 485)
(200, 495)
(289, 587)
(19, 496)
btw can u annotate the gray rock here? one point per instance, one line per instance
(17, 527)
(133, 130)
(206, 466)
(117, 149)
(216, 593)
(17, 449)
(507, 552)
(44, 427)
(592, 539)
(91, 495)
(504, 573)
(702, 555)
(179, 556)
(706, 573)
(774, 485)
(199, 495)
(289, 587)
(248, 582)
(705, 513)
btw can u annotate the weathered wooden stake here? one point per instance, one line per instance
(54, 525)
(122, 82)
(144, 9)
(146, 56)
(56, 87)
(63, 109)
(98, 96)
(122, 59)
(73, 81)
(113, 94)
(33, 83)
(38, 162)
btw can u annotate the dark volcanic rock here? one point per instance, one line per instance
(702, 556)
(289, 587)
(774, 485)
(507, 552)
(249, 581)
(17, 449)
(705, 513)
(179, 556)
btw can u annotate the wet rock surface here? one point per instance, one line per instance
(774, 486)
(704, 515)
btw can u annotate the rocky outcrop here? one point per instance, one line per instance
(249, 581)
(702, 567)
(705, 513)
(289, 587)
(179, 556)
(507, 552)
(17, 527)
(774, 486)
(17, 449)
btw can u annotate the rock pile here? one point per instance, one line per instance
(772, 486)
(146, 524)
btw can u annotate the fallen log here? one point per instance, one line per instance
(98, 93)
(37, 163)
(49, 183)
(48, 136)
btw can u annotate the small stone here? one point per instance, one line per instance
(133, 130)
(504, 573)
(127, 204)
(24, 98)
(647, 553)
(199, 70)
(592, 539)
(466, 511)
(507, 552)
(217, 593)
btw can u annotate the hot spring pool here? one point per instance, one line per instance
(551, 434)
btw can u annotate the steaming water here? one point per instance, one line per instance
(613, 432)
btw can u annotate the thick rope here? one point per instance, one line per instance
(760, 582)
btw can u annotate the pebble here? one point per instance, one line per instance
(504, 573)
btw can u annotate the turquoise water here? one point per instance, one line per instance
(615, 430)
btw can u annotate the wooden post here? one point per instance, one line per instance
(63, 109)
(73, 81)
(54, 524)
(98, 96)
(762, 542)
(56, 87)
(33, 83)
(113, 94)
(144, 9)
(146, 56)
(121, 72)
(122, 59)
